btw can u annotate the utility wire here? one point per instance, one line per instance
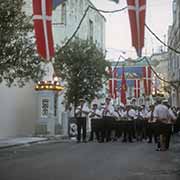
(78, 27)
(169, 47)
(82, 19)
(157, 75)
(110, 12)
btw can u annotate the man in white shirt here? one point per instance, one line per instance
(139, 123)
(171, 120)
(163, 117)
(81, 114)
(151, 132)
(107, 116)
(95, 116)
(130, 115)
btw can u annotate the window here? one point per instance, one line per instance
(63, 13)
(91, 29)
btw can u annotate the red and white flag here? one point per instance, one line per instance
(136, 10)
(113, 83)
(42, 16)
(147, 76)
(136, 88)
(123, 87)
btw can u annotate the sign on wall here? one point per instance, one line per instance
(45, 107)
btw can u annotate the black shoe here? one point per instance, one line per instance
(149, 141)
(78, 141)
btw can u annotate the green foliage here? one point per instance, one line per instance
(18, 60)
(82, 65)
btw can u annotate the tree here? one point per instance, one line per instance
(82, 65)
(18, 60)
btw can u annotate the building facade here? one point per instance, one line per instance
(67, 17)
(174, 58)
(138, 76)
(159, 62)
(19, 107)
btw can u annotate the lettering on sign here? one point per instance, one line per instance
(45, 107)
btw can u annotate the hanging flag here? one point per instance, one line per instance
(116, 1)
(145, 77)
(136, 88)
(56, 3)
(138, 83)
(42, 16)
(123, 87)
(149, 80)
(113, 83)
(136, 10)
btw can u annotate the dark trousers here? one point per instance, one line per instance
(139, 129)
(151, 132)
(165, 131)
(128, 130)
(94, 129)
(167, 135)
(81, 124)
(106, 129)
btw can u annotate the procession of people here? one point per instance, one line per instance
(127, 123)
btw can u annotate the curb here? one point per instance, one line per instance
(51, 140)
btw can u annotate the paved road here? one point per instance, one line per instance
(91, 161)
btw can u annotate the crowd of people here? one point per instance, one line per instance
(129, 123)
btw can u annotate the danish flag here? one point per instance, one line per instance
(42, 16)
(147, 75)
(136, 88)
(136, 10)
(113, 83)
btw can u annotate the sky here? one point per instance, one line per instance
(118, 34)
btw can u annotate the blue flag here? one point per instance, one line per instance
(57, 3)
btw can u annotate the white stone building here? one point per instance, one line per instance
(159, 61)
(67, 17)
(174, 58)
(19, 106)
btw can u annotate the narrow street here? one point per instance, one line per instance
(91, 161)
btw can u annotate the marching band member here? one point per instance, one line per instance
(151, 128)
(144, 125)
(107, 115)
(161, 114)
(139, 123)
(116, 127)
(95, 116)
(171, 120)
(130, 115)
(81, 114)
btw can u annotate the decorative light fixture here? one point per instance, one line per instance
(48, 85)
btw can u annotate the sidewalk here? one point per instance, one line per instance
(11, 142)
(20, 141)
